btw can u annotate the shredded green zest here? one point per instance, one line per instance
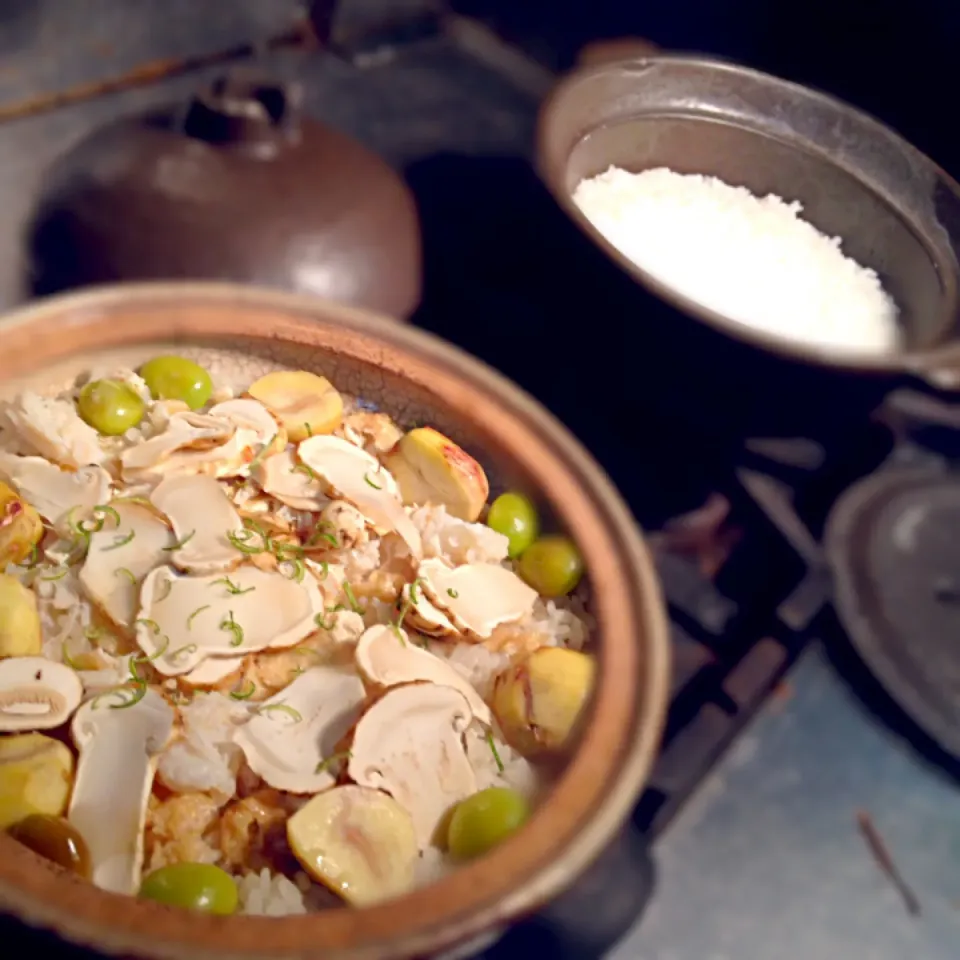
(304, 469)
(124, 572)
(452, 593)
(57, 575)
(100, 515)
(199, 610)
(120, 541)
(324, 624)
(169, 585)
(182, 542)
(67, 659)
(149, 624)
(294, 715)
(309, 429)
(351, 598)
(94, 633)
(371, 483)
(104, 511)
(33, 558)
(245, 540)
(296, 566)
(493, 750)
(321, 532)
(138, 501)
(232, 588)
(183, 651)
(228, 623)
(330, 761)
(136, 691)
(259, 456)
(158, 653)
(244, 694)
(414, 587)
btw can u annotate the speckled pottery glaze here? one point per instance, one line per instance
(240, 333)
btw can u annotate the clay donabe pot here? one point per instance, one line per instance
(895, 210)
(416, 378)
(235, 185)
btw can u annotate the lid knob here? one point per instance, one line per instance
(251, 113)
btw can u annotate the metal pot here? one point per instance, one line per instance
(894, 208)
(234, 185)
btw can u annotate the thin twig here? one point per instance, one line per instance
(884, 860)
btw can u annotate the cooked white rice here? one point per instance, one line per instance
(752, 259)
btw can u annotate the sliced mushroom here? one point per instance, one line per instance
(424, 616)
(120, 556)
(184, 620)
(202, 519)
(410, 744)
(375, 432)
(119, 740)
(352, 474)
(477, 597)
(431, 468)
(213, 670)
(36, 694)
(385, 656)
(358, 842)
(186, 431)
(289, 481)
(52, 427)
(341, 523)
(292, 738)
(342, 626)
(54, 492)
(249, 416)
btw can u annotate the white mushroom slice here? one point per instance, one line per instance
(52, 427)
(356, 841)
(184, 431)
(53, 492)
(284, 477)
(343, 524)
(291, 739)
(184, 620)
(118, 742)
(385, 656)
(249, 416)
(120, 556)
(213, 670)
(202, 518)
(477, 597)
(36, 694)
(423, 615)
(410, 744)
(354, 475)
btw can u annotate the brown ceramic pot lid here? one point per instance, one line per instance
(893, 541)
(235, 185)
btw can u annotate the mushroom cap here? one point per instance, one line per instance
(185, 431)
(279, 476)
(53, 492)
(209, 672)
(292, 734)
(37, 694)
(425, 616)
(120, 556)
(410, 744)
(202, 518)
(118, 741)
(477, 597)
(184, 620)
(386, 658)
(51, 427)
(352, 474)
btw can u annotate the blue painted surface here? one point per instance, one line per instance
(766, 862)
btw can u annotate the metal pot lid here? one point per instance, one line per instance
(235, 185)
(893, 542)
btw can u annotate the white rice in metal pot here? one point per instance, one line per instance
(751, 259)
